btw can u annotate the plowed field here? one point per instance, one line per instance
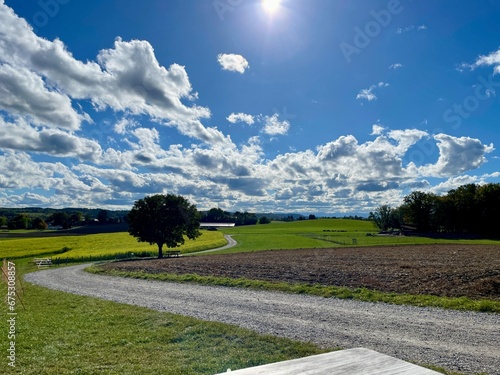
(443, 270)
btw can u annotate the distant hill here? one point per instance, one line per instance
(44, 213)
(295, 216)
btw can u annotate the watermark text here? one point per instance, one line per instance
(364, 36)
(9, 275)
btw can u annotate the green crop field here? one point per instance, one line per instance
(322, 233)
(96, 245)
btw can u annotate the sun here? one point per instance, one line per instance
(271, 6)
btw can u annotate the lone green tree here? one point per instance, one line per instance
(164, 220)
(264, 220)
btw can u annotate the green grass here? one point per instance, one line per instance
(96, 245)
(362, 294)
(321, 233)
(61, 333)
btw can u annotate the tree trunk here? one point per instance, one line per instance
(160, 250)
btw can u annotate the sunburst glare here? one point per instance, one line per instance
(271, 6)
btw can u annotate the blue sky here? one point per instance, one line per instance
(315, 106)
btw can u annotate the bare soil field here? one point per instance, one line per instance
(443, 270)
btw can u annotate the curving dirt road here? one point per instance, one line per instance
(463, 341)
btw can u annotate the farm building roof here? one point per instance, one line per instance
(216, 224)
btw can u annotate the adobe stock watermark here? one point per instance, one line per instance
(224, 6)
(484, 89)
(48, 9)
(10, 278)
(425, 148)
(100, 131)
(372, 29)
(284, 114)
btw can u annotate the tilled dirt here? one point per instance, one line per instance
(443, 270)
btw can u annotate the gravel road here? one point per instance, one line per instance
(463, 341)
(230, 243)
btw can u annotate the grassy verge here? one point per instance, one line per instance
(446, 372)
(60, 333)
(362, 294)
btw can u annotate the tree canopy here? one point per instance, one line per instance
(217, 215)
(164, 220)
(383, 217)
(470, 209)
(264, 220)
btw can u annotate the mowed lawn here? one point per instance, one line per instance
(322, 233)
(96, 245)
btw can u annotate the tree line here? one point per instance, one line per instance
(31, 218)
(470, 209)
(217, 215)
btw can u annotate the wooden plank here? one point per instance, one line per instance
(346, 362)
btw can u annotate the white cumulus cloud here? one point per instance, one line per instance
(24, 93)
(21, 136)
(456, 156)
(274, 126)
(492, 59)
(368, 94)
(43, 79)
(240, 117)
(233, 62)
